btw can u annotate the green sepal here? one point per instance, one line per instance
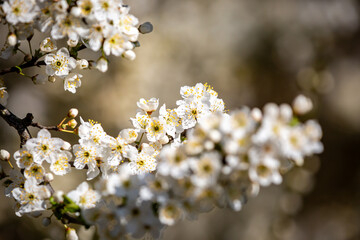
(294, 121)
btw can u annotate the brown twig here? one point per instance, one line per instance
(21, 125)
(32, 63)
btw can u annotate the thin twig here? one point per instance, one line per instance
(53, 128)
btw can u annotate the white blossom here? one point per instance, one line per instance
(59, 64)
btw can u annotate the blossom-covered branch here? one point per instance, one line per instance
(152, 175)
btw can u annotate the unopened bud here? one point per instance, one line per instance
(46, 221)
(72, 123)
(4, 155)
(129, 55)
(71, 234)
(102, 64)
(256, 114)
(302, 104)
(51, 79)
(73, 112)
(82, 63)
(39, 79)
(59, 196)
(66, 146)
(146, 27)
(12, 39)
(49, 177)
(27, 58)
(72, 42)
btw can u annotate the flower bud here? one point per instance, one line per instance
(82, 63)
(46, 221)
(129, 55)
(72, 42)
(59, 196)
(256, 114)
(39, 79)
(73, 112)
(4, 155)
(12, 39)
(102, 64)
(47, 45)
(66, 146)
(71, 234)
(146, 27)
(27, 58)
(51, 79)
(72, 123)
(302, 105)
(49, 177)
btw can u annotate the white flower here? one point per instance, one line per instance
(60, 64)
(170, 213)
(44, 147)
(191, 112)
(145, 161)
(84, 196)
(119, 150)
(173, 162)
(107, 9)
(32, 197)
(91, 131)
(126, 24)
(302, 104)
(313, 132)
(23, 11)
(85, 154)
(72, 81)
(148, 106)
(36, 171)
(130, 135)
(47, 45)
(140, 121)
(60, 165)
(263, 169)
(85, 8)
(172, 121)
(155, 129)
(206, 169)
(67, 25)
(17, 180)
(116, 44)
(23, 158)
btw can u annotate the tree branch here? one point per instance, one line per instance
(31, 63)
(21, 125)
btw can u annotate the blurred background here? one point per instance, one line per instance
(252, 52)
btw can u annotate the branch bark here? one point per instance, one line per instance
(21, 124)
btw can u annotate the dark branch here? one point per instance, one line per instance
(21, 125)
(16, 69)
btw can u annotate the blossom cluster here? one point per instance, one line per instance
(176, 165)
(104, 26)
